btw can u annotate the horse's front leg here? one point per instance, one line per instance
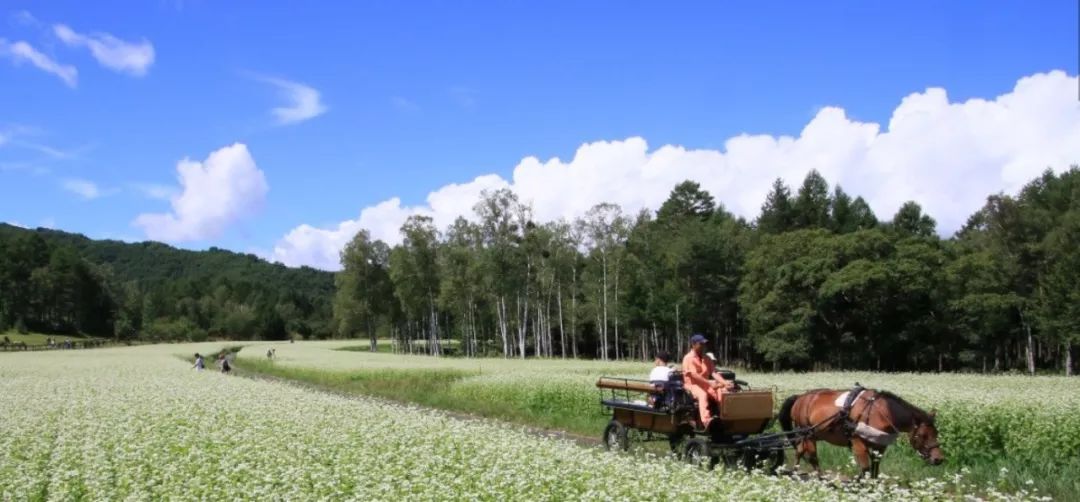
(862, 456)
(875, 462)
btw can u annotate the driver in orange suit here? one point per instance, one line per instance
(698, 373)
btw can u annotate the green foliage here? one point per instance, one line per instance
(812, 204)
(56, 282)
(815, 282)
(777, 214)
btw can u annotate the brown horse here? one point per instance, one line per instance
(872, 423)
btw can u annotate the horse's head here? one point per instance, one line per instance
(924, 439)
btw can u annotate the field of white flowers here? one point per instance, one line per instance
(1031, 419)
(139, 424)
(1030, 427)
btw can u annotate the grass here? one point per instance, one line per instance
(38, 338)
(555, 394)
(440, 388)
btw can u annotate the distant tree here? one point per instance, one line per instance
(910, 220)
(686, 200)
(414, 271)
(1058, 303)
(361, 287)
(861, 216)
(777, 214)
(812, 204)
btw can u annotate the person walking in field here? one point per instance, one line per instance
(200, 364)
(223, 363)
(698, 372)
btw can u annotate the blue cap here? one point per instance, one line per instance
(698, 338)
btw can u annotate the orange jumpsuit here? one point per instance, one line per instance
(697, 371)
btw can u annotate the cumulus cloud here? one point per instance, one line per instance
(948, 156)
(132, 58)
(215, 193)
(83, 188)
(22, 52)
(304, 101)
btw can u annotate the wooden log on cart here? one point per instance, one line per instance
(626, 384)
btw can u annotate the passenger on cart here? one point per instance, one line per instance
(661, 371)
(698, 372)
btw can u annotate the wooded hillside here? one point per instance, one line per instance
(58, 282)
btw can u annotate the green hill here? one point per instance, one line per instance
(59, 282)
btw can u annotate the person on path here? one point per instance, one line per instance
(698, 372)
(200, 364)
(223, 363)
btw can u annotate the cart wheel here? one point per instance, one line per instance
(777, 458)
(697, 452)
(616, 437)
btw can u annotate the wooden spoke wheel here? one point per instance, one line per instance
(616, 437)
(697, 452)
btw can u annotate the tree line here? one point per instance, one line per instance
(61, 283)
(816, 281)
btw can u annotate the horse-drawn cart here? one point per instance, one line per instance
(651, 411)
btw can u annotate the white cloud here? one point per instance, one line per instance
(22, 52)
(16, 224)
(304, 101)
(132, 58)
(217, 192)
(83, 188)
(24, 18)
(948, 156)
(49, 222)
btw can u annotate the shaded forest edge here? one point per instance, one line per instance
(816, 281)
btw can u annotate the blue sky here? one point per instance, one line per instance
(415, 96)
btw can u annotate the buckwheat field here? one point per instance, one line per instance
(141, 424)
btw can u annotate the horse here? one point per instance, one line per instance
(871, 422)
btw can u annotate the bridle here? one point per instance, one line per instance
(924, 448)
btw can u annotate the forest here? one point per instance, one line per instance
(62, 283)
(815, 281)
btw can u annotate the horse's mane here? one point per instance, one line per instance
(919, 414)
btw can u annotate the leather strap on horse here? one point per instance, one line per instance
(846, 423)
(843, 415)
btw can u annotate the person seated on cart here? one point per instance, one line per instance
(661, 372)
(660, 377)
(698, 379)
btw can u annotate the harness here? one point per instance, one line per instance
(844, 415)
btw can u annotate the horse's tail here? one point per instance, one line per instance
(785, 413)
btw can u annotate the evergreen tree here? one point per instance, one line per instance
(777, 214)
(812, 204)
